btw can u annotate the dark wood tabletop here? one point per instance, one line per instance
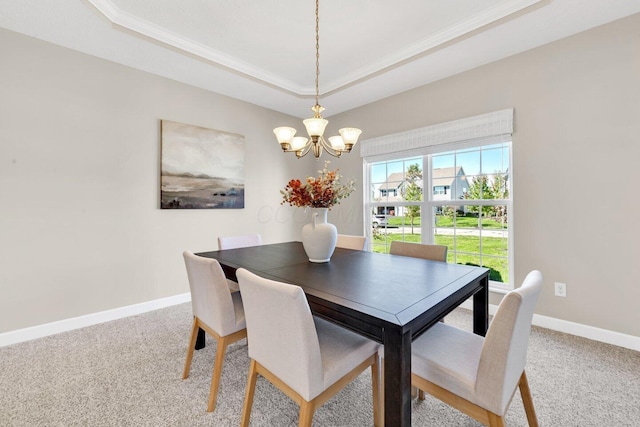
(389, 298)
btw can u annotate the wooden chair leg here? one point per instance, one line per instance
(306, 414)
(248, 397)
(221, 350)
(375, 386)
(495, 420)
(525, 392)
(420, 394)
(190, 348)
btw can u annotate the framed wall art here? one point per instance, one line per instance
(201, 168)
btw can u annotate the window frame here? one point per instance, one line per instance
(425, 143)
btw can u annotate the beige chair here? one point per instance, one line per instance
(308, 358)
(233, 242)
(477, 375)
(351, 242)
(418, 250)
(216, 311)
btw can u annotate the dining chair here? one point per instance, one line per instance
(215, 310)
(346, 241)
(419, 250)
(479, 375)
(307, 358)
(233, 242)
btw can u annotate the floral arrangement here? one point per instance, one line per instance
(324, 191)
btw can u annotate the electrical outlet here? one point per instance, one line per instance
(561, 289)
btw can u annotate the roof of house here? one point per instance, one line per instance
(445, 176)
(393, 181)
(440, 177)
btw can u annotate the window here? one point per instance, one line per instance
(468, 208)
(440, 189)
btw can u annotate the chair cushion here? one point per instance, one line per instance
(449, 357)
(233, 286)
(341, 350)
(241, 322)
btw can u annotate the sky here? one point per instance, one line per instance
(198, 150)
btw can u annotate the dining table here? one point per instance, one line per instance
(390, 299)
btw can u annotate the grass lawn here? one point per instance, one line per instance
(445, 221)
(465, 250)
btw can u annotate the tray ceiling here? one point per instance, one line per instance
(264, 52)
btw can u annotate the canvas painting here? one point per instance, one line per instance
(201, 168)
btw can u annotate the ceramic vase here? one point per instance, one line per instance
(319, 237)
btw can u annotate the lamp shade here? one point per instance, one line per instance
(284, 134)
(350, 135)
(298, 143)
(315, 126)
(336, 142)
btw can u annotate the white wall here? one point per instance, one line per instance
(576, 156)
(80, 226)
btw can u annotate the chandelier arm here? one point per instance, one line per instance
(304, 150)
(329, 149)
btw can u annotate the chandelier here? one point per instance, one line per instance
(315, 126)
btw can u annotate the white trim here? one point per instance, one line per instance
(138, 25)
(39, 331)
(21, 335)
(578, 329)
(131, 22)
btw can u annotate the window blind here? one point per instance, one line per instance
(483, 129)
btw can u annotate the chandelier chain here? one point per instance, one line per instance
(317, 51)
(316, 143)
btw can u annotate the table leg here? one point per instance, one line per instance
(397, 378)
(481, 309)
(200, 340)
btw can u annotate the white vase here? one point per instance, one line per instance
(319, 237)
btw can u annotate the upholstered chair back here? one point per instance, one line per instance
(232, 242)
(210, 297)
(281, 333)
(504, 351)
(418, 250)
(346, 241)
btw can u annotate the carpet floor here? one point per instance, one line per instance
(128, 373)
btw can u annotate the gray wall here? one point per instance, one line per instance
(576, 156)
(80, 227)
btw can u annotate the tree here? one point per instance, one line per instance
(483, 188)
(480, 189)
(500, 189)
(412, 191)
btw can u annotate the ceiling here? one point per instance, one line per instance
(263, 51)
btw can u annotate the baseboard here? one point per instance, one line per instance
(34, 332)
(597, 334)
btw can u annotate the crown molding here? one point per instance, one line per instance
(138, 25)
(432, 42)
(123, 19)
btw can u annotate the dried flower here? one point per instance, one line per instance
(324, 191)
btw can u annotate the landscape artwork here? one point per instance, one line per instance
(201, 168)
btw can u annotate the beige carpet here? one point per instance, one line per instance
(128, 373)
